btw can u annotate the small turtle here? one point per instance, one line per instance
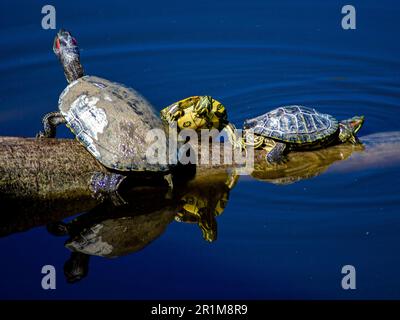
(206, 200)
(199, 112)
(298, 128)
(110, 120)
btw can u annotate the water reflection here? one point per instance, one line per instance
(108, 231)
(111, 232)
(304, 165)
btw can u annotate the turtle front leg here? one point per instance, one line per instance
(275, 155)
(105, 186)
(50, 122)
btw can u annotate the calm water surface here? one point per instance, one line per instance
(273, 241)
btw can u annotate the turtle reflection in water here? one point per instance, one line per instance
(205, 201)
(111, 232)
(304, 165)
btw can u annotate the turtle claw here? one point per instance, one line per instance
(40, 135)
(283, 160)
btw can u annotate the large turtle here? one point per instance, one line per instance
(110, 120)
(298, 128)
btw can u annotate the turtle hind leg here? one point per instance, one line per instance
(50, 122)
(105, 185)
(276, 154)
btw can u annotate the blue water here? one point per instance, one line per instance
(273, 241)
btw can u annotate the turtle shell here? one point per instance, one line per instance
(294, 124)
(119, 236)
(112, 122)
(188, 120)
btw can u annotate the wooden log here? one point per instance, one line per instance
(59, 168)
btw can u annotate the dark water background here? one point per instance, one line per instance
(274, 241)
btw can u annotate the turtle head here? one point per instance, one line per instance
(66, 49)
(348, 129)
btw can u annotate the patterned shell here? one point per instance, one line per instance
(217, 118)
(294, 124)
(112, 122)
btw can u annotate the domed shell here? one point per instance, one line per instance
(112, 122)
(294, 124)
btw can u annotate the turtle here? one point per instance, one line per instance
(297, 127)
(109, 119)
(196, 112)
(200, 112)
(111, 232)
(109, 236)
(205, 200)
